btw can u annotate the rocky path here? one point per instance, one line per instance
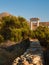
(32, 56)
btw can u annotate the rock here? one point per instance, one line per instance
(36, 59)
(32, 56)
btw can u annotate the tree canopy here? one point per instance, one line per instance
(42, 34)
(13, 28)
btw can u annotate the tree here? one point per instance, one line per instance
(32, 34)
(14, 28)
(42, 33)
(16, 35)
(25, 33)
(23, 22)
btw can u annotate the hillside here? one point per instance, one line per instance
(4, 14)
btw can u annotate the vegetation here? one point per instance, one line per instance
(8, 54)
(17, 28)
(14, 28)
(42, 34)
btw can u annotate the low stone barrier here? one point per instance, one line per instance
(32, 56)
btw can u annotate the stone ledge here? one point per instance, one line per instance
(31, 56)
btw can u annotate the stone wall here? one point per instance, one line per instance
(32, 56)
(9, 53)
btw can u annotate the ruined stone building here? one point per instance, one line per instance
(35, 22)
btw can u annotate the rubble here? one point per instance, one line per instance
(32, 56)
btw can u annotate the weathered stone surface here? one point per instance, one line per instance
(33, 56)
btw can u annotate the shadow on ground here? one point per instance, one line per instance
(8, 54)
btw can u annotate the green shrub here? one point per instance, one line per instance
(14, 28)
(42, 34)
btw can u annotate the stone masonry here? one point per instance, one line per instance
(32, 56)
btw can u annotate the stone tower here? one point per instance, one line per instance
(34, 23)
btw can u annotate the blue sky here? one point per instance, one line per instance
(26, 8)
